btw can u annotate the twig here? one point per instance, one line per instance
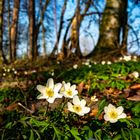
(28, 110)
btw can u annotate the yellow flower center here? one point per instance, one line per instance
(113, 114)
(69, 92)
(77, 108)
(62, 89)
(49, 92)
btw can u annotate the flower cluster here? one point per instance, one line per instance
(87, 63)
(52, 91)
(7, 71)
(113, 114)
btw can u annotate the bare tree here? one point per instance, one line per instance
(60, 27)
(13, 29)
(114, 22)
(31, 12)
(2, 56)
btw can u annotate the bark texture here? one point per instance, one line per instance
(13, 29)
(114, 21)
(31, 11)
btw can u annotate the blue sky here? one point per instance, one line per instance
(89, 39)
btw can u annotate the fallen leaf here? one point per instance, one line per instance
(134, 98)
(94, 112)
(80, 87)
(12, 107)
(136, 86)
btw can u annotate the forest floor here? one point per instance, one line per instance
(117, 83)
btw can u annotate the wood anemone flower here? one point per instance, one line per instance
(50, 91)
(113, 114)
(78, 106)
(68, 90)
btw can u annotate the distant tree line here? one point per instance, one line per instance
(47, 21)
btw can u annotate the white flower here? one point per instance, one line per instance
(50, 91)
(135, 74)
(25, 72)
(86, 63)
(95, 63)
(4, 74)
(113, 114)
(127, 57)
(75, 66)
(52, 73)
(109, 62)
(89, 66)
(120, 58)
(78, 106)
(134, 58)
(8, 70)
(15, 72)
(93, 98)
(103, 62)
(68, 90)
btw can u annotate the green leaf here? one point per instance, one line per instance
(98, 134)
(8, 125)
(31, 135)
(101, 106)
(75, 133)
(124, 134)
(58, 133)
(136, 121)
(136, 131)
(126, 121)
(136, 109)
(117, 137)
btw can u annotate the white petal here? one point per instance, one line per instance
(70, 107)
(80, 114)
(106, 117)
(41, 96)
(83, 102)
(76, 100)
(67, 86)
(75, 92)
(85, 110)
(41, 89)
(51, 100)
(106, 109)
(120, 110)
(57, 87)
(73, 87)
(123, 115)
(110, 106)
(50, 83)
(59, 95)
(113, 120)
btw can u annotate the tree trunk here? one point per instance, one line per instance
(9, 29)
(2, 56)
(60, 28)
(13, 30)
(75, 28)
(31, 12)
(75, 31)
(43, 41)
(110, 28)
(124, 26)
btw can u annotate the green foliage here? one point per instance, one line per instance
(60, 125)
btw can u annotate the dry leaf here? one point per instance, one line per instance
(136, 86)
(134, 98)
(80, 87)
(94, 112)
(12, 107)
